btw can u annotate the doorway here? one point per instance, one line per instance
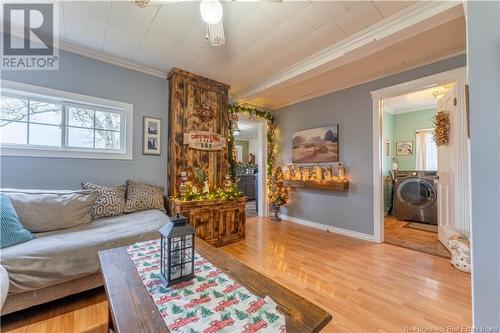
(410, 165)
(421, 190)
(251, 156)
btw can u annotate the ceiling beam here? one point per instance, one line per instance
(332, 56)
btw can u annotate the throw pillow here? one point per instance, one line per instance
(143, 196)
(44, 210)
(12, 231)
(110, 200)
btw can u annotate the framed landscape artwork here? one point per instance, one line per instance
(404, 148)
(317, 145)
(152, 136)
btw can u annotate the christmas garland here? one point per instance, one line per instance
(219, 194)
(252, 113)
(442, 128)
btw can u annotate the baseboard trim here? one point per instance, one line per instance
(329, 228)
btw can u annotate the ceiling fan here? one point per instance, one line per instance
(211, 13)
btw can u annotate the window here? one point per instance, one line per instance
(60, 124)
(426, 150)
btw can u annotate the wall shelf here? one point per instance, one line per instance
(333, 186)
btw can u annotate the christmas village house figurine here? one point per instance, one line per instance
(341, 172)
(184, 184)
(317, 177)
(227, 185)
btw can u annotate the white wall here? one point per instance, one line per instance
(483, 42)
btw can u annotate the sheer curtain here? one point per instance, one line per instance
(426, 150)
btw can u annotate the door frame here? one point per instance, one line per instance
(457, 76)
(262, 200)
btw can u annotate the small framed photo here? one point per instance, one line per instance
(152, 136)
(404, 148)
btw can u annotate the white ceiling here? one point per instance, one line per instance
(415, 101)
(427, 47)
(262, 38)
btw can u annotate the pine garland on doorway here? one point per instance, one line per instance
(252, 113)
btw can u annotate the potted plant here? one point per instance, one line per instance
(278, 193)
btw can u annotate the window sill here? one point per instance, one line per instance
(63, 153)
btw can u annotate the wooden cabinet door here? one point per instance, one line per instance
(201, 219)
(231, 222)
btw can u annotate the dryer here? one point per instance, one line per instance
(415, 196)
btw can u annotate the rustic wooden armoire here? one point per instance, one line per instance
(198, 104)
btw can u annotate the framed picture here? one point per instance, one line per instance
(404, 148)
(317, 145)
(151, 142)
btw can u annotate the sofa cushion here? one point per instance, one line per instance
(4, 285)
(143, 196)
(110, 201)
(11, 230)
(43, 210)
(59, 256)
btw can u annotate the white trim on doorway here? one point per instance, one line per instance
(457, 75)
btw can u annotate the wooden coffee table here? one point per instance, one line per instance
(132, 309)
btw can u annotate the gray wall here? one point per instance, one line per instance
(352, 109)
(483, 32)
(81, 75)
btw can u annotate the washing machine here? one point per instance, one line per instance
(415, 196)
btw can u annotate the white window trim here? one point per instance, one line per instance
(65, 152)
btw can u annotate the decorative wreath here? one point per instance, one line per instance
(442, 128)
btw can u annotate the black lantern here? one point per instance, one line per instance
(177, 251)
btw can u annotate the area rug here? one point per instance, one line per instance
(422, 226)
(211, 302)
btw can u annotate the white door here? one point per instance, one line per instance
(446, 165)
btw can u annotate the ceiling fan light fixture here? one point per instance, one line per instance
(211, 11)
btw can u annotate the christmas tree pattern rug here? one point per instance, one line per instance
(211, 302)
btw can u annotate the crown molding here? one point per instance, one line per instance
(103, 57)
(311, 65)
(112, 60)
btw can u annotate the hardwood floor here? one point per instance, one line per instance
(396, 233)
(86, 312)
(366, 287)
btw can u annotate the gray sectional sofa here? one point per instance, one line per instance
(59, 263)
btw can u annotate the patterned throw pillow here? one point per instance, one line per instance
(143, 196)
(110, 200)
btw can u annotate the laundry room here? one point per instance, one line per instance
(410, 166)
